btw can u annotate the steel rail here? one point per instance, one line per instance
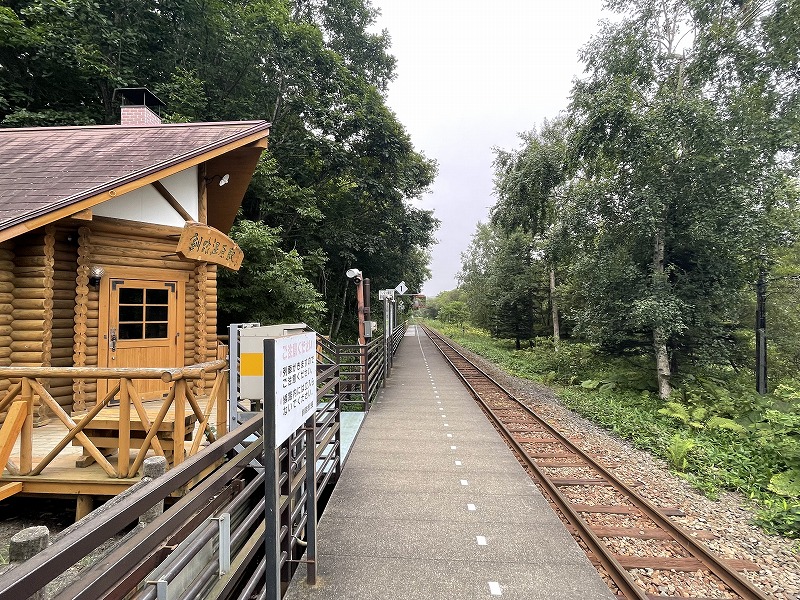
(615, 570)
(726, 574)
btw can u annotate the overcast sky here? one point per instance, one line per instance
(471, 75)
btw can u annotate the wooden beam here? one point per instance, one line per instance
(83, 215)
(202, 194)
(10, 489)
(83, 506)
(11, 428)
(179, 431)
(172, 201)
(124, 455)
(263, 143)
(26, 439)
(108, 487)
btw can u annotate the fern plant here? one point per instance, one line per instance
(678, 451)
(697, 417)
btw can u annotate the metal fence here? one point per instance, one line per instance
(364, 369)
(179, 554)
(210, 542)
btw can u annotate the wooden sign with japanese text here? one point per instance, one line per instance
(202, 242)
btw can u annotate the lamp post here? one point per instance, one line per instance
(761, 332)
(358, 279)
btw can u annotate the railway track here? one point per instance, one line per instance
(614, 511)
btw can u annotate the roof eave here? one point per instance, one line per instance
(91, 197)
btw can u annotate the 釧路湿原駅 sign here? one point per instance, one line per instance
(203, 242)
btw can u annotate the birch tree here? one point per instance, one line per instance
(674, 196)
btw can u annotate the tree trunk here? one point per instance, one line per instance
(554, 309)
(662, 365)
(519, 345)
(663, 370)
(334, 331)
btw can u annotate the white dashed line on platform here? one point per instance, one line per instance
(470, 507)
(481, 540)
(464, 482)
(494, 589)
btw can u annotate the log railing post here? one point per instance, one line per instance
(124, 457)
(26, 435)
(179, 432)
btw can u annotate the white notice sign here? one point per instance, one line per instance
(290, 374)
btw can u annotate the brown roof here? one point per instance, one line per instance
(45, 169)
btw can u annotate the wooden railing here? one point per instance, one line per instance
(19, 399)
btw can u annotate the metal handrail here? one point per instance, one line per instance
(235, 487)
(88, 534)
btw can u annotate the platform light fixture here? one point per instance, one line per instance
(95, 275)
(355, 275)
(222, 179)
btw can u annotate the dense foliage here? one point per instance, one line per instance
(650, 208)
(333, 190)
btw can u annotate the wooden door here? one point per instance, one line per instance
(144, 329)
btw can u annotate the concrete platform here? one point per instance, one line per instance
(433, 505)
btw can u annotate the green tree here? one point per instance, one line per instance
(674, 199)
(514, 286)
(341, 170)
(454, 312)
(530, 185)
(272, 286)
(476, 279)
(503, 278)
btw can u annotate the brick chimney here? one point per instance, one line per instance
(139, 107)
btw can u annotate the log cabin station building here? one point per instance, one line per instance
(110, 241)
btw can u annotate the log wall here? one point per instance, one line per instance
(6, 308)
(32, 306)
(65, 265)
(49, 316)
(200, 348)
(211, 341)
(82, 323)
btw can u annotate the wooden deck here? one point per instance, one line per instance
(65, 478)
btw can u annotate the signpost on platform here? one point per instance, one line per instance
(290, 403)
